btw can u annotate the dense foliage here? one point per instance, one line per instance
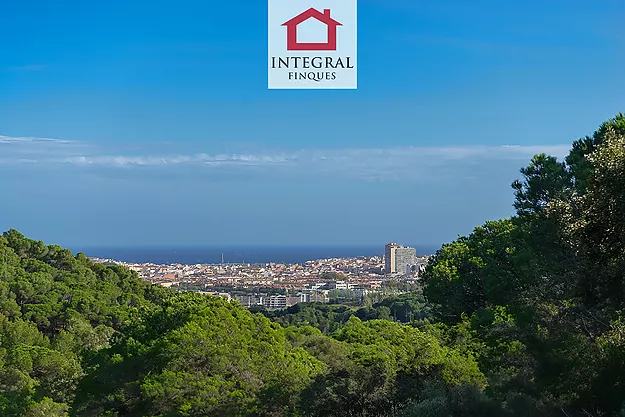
(523, 317)
(85, 339)
(540, 297)
(406, 308)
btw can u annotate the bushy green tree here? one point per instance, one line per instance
(541, 294)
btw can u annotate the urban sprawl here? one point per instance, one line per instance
(278, 285)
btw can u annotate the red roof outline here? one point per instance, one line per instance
(294, 45)
(312, 12)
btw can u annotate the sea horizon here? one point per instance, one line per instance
(240, 254)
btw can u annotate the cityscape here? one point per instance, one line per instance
(280, 285)
(296, 208)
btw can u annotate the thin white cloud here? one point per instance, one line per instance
(360, 163)
(365, 155)
(13, 139)
(122, 160)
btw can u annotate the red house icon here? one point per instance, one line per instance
(293, 45)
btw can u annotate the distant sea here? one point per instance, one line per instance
(238, 255)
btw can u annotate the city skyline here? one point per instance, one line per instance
(313, 280)
(259, 255)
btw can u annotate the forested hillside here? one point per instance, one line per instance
(524, 317)
(85, 339)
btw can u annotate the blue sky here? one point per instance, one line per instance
(137, 123)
